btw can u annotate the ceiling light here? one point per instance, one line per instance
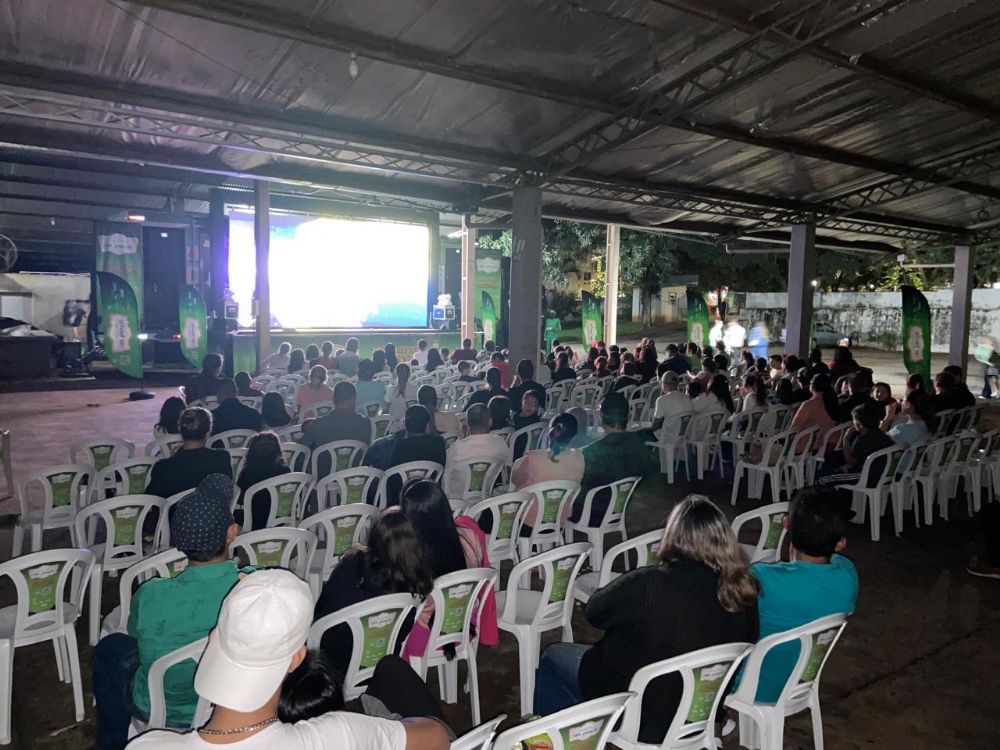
(135, 217)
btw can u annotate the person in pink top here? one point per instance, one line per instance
(451, 544)
(315, 391)
(559, 461)
(819, 410)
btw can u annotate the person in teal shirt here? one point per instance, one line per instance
(817, 582)
(369, 391)
(167, 614)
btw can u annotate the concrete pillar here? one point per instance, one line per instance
(961, 309)
(468, 313)
(524, 332)
(262, 243)
(801, 272)
(611, 284)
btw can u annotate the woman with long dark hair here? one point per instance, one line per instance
(390, 356)
(398, 394)
(378, 360)
(263, 461)
(273, 411)
(434, 360)
(558, 461)
(819, 410)
(754, 391)
(700, 594)
(393, 561)
(296, 361)
(450, 544)
(170, 413)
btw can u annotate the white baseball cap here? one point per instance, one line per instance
(263, 622)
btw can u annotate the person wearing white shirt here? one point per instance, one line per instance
(399, 394)
(279, 360)
(420, 355)
(480, 442)
(259, 641)
(672, 404)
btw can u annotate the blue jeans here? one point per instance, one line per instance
(557, 679)
(113, 664)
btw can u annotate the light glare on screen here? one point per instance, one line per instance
(335, 273)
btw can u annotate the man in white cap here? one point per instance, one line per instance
(259, 640)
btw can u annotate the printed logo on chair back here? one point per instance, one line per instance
(820, 648)
(622, 492)
(775, 527)
(371, 410)
(562, 570)
(377, 632)
(508, 512)
(343, 535)
(582, 736)
(322, 411)
(125, 521)
(550, 505)
(43, 581)
(177, 567)
(62, 489)
(416, 474)
(477, 476)
(456, 602)
(236, 441)
(101, 455)
(286, 499)
(355, 490)
(707, 684)
(137, 476)
(343, 458)
(269, 553)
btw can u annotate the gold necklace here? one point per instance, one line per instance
(238, 730)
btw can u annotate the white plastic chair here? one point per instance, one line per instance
(905, 486)
(335, 456)
(508, 516)
(644, 548)
(161, 541)
(762, 725)
(337, 529)
(63, 494)
(375, 626)
(43, 611)
(290, 434)
(382, 425)
(317, 410)
(288, 494)
(354, 485)
(671, 444)
(776, 452)
(586, 724)
(100, 452)
(833, 437)
(552, 498)
(254, 402)
(771, 517)
(166, 564)
(558, 396)
(527, 614)
(164, 446)
(613, 521)
(296, 456)
(404, 472)
(481, 737)
(128, 477)
(532, 438)
(278, 548)
(157, 698)
(705, 674)
(872, 499)
(703, 436)
(237, 459)
(231, 439)
(458, 611)
(471, 478)
(960, 465)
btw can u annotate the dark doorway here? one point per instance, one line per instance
(163, 272)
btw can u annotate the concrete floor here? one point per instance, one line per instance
(917, 667)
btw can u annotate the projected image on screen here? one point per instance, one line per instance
(334, 273)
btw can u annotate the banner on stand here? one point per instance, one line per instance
(119, 251)
(697, 318)
(120, 316)
(916, 333)
(487, 297)
(593, 320)
(193, 324)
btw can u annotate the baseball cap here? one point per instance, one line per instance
(263, 622)
(199, 521)
(670, 377)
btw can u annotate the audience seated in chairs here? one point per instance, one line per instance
(316, 391)
(480, 442)
(492, 389)
(230, 414)
(170, 413)
(263, 461)
(279, 360)
(864, 439)
(343, 423)
(671, 404)
(441, 421)
(273, 412)
(369, 391)
(244, 388)
(525, 382)
(204, 383)
(192, 462)
(413, 443)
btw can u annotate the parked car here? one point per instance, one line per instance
(825, 336)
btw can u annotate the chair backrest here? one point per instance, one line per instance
(317, 410)
(481, 737)
(559, 568)
(296, 456)
(965, 451)
(237, 457)
(62, 490)
(643, 546)
(705, 428)
(276, 548)
(164, 446)
(587, 394)
(834, 438)
(816, 640)
(404, 472)
(704, 674)
(803, 442)
(381, 426)
(123, 518)
(290, 433)
(254, 402)
(100, 452)
(335, 456)
(375, 627)
(508, 516)
(457, 601)
(880, 467)
(676, 429)
(158, 670)
(167, 564)
(40, 580)
(471, 478)
(338, 529)
(128, 477)
(349, 486)
(231, 439)
(943, 421)
(288, 495)
(621, 493)
(772, 532)
(527, 439)
(552, 498)
(585, 725)
(558, 395)
(782, 417)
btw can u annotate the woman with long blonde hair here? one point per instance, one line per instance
(698, 594)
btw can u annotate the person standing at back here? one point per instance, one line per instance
(230, 414)
(347, 363)
(193, 461)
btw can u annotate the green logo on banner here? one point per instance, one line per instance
(707, 684)
(192, 323)
(456, 602)
(137, 476)
(126, 520)
(697, 319)
(62, 489)
(593, 320)
(916, 333)
(553, 327)
(343, 536)
(821, 645)
(551, 500)
(120, 315)
(377, 632)
(286, 500)
(42, 583)
(562, 570)
(508, 513)
(269, 553)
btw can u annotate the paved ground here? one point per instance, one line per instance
(918, 666)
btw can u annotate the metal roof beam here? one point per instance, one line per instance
(876, 71)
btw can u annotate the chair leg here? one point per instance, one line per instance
(817, 719)
(473, 683)
(737, 474)
(6, 688)
(73, 659)
(58, 651)
(874, 513)
(18, 541)
(36, 537)
(527, 650)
